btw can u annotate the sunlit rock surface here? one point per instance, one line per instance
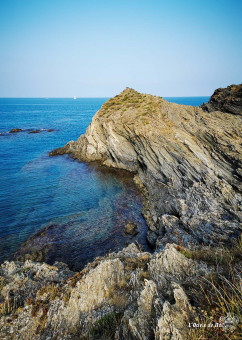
(187, 160)
(39, 301)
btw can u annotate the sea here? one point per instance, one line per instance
(71, 211)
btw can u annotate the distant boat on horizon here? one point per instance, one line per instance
(74, 97)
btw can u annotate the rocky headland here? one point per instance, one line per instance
(187, 162)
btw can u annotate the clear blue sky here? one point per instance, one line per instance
(95, 48)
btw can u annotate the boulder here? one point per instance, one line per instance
(130, 229)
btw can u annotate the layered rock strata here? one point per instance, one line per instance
(187, 160)
(227, 99)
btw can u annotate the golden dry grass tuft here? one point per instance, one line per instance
(218, 295)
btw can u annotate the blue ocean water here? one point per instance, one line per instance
(194, 101)
(83, 207)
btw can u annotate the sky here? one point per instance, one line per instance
(96, 48)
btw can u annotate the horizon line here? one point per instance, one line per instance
(45, 97)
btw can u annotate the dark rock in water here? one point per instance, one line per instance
(131, 229)
(227, 99)
(41, 130)
(15, 130)
(35, 131)
(35, 248)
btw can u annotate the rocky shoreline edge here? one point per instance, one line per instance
(187, 162)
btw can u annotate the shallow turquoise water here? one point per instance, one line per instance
(86, 207)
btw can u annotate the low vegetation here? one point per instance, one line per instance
(217, 297)
(105, 327)
(144, 105)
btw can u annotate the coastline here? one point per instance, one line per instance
(193, 180)
(186, 163)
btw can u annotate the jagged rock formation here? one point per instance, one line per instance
(187, 161)
(39, 301)
(226, 100)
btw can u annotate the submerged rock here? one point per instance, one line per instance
(130, 229)
(35, 131)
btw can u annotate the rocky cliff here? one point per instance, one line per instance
(228, 99)
(187, 160)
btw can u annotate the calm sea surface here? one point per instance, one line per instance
(83, 207)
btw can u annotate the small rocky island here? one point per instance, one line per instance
(187, 162)
(17, 130)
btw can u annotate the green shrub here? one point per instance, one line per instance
(105, 327)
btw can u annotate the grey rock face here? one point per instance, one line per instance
(38, 301)
(187, 162)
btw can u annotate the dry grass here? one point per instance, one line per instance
(218, 295)
(144, 275)
(222, 300)
(217, 256)
(143, 105)
(50, 292)
(118, 300)
(39, 306)
(2, 279)
(104, 328)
